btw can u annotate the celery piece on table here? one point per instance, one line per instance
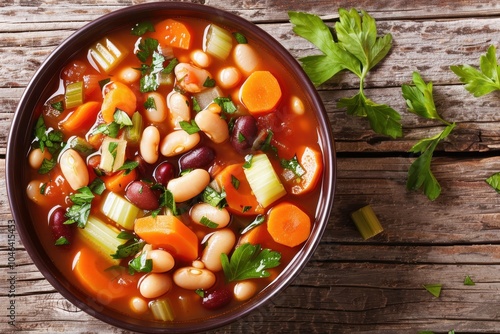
(367, 222)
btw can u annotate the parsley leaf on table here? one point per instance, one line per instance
(420, 101)
(483, 81)
(249, 261)
(357, 49)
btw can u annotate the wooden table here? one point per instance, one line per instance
(350, 285)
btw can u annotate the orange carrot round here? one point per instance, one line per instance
(288, 224)
(119, 181)
(119, 96)
(239, 197)
(169, 233)
(173, 33)
(82, 118)
(260, 92)
(312, 163)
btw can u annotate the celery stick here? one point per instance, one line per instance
(120, 210)
(112, 154)
(107, 54)
(162, 310)
(79, 144)
(367, 222)
(264, 181)
(101, 237)
(133, 133)
(74, 95)
(217, 41)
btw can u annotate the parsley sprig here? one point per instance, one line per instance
(80, 210)
(357, 49)
(48, 139)
(420, 101)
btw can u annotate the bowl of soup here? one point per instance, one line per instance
(170, 168)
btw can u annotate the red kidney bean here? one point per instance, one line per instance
(200, 157)
(143, 169)
(244, 133)
(164, 172)
(217, 299)
(59, 229)
(140, 194)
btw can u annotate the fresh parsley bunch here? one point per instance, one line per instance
(420, 101)
(355, 48)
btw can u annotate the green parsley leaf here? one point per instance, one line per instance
(130, 248)
(248, 161)
(189, 127)
(47, 138)
(249, 261)
(420, 174)
(196, 105)
(209, 82)
(171, 65)
(47, 166)
(97, 186)
(43, 186)
(214, 198)
(150, 103)
(357, 49)
(61, 241)
(494, 182)
(240, 38)
(59, 106)
(142, 27)
(259, 220)
(146, 47)
(128, 166)
(200, 292)
(226, 104)
(483, 81)
(166, 200)
(113, 150)
(140, 264)
(149, 81)
(110, 130)
(468, 281)
(80, 210)
(122, 118)
(434, 289)
(419, 98)
(235, 182)
(293, 165)
(104, 82)
(125, 235)
(208, 223)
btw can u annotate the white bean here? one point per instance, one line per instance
(33, 191)
(158, 113)
(220, 242)
(74, 169)
(189, 185)
(212, 125)
(178, 142)
(244, 290)
(191, 78)
(229, 77)
(246, 58)
(200, 58)
(138, 305)
(154, 285)
(162, 260)
(148, 146)
(178, 104)
(36, 157)
(129, 75)
(297, 105)
(218, 216)
(192, 278)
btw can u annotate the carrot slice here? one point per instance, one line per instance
(261, 92)
(288, 224)
(82, 118)
(311, 162)
(104, 283)
(239, 196)
(119, 96)
(170, 233)
(173, 33)
(119, 181)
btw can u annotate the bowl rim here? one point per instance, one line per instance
(14, 174)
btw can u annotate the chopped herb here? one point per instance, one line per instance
(214, 198)
(166, 200)
(124, 235)
(196, 105)
(47, 165)
(79, 212)
(128, 166)
(59, 106)
(235, 182)
(209, 82)
(249, 261)
(97, 186)
(200, 292)
(150, 103)
(170, 67)
(149, 80)
(42, 188)
(468, 281)
(189, 127)
(240, 38)
(259, 220)
(293, 165)
(434, 289)
(62, 241)
(266, 145)
(110, 130)
(140, 264)
(146, 47)
(122, 118)
(130, 248)
(208, 223)
(50, 139)
(142, 27)
(113, 150)
(248, 161)
(241, 138)
(104, 82)
(245, 208)
(226, 104)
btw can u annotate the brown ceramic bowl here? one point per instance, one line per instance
(37, 91)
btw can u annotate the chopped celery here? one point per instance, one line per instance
(367, 222)
(162, 310)
(217, 41)
(120, 210)
(264, 181)
(112, 154)
(102, 238)
(107, 54)
(74, 95)
(207, 96)
(133, 133)
(79, 144)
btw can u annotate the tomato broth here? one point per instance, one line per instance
(104, 108)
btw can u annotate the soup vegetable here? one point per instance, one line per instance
(174, 170)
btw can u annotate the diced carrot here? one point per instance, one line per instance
(173, 33)
(288, 224)
(168, 232)
(257, 236)
(239, 196)
(104, 283)
(311, 161)
(119, 180)
(119, 96)
(261, 92)
(82, 118)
